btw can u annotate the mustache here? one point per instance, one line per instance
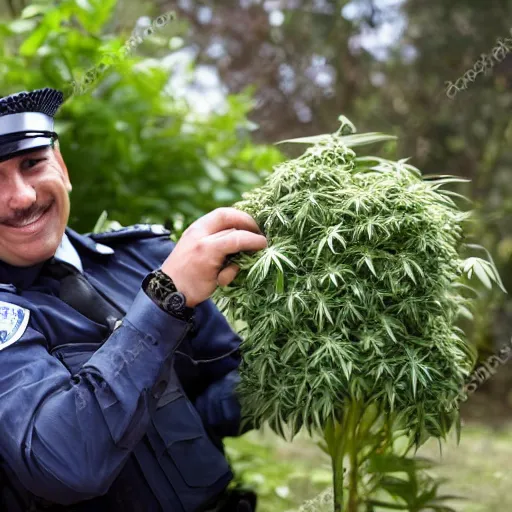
(26, 215)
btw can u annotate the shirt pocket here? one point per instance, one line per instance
(182, 446)
(74, 355)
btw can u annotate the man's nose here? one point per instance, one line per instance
(21, 194)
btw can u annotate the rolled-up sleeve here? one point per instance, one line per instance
(67, 436)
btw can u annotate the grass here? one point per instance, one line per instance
(288, 474)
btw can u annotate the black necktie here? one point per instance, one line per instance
(77, 292)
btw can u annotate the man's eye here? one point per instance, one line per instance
(29, 163)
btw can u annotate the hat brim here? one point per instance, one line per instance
(15, 148)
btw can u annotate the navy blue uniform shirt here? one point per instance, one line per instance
(125, 420)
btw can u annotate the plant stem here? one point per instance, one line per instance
(353, 496)
(342, 439)
(337, 469)
(334, 435)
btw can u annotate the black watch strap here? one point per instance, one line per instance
(160, 288)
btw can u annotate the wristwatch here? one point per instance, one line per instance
(160, 288)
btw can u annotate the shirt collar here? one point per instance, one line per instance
(24, 277)
(68, 254)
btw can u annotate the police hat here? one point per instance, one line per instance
(26, 121)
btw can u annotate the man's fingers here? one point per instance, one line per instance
(227, 275)
(226, 218)
(237, 241)
(220, 234)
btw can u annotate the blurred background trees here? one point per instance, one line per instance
(187, 122)
(132, 146)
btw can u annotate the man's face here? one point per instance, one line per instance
(34, 206)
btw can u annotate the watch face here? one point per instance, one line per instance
(175, 302)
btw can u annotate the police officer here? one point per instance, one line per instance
(117, 372)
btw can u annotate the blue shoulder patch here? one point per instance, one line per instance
(135, 231)
(13, 323)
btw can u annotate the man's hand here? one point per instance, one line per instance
(195, 264)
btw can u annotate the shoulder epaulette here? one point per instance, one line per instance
(135, 231)
(6, 287)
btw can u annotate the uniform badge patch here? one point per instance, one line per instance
(13, 323)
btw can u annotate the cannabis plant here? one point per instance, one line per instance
(349, 315)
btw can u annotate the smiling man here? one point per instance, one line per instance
(117, 372)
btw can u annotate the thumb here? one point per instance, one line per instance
(228, 274)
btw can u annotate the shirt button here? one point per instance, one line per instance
(103, 249)
(158, 229)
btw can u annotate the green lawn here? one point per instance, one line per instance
(288, 474)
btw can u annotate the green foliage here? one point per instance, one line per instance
(131, 146)
(396, 88)
(279, 483)
(355, 297)
(413, 489)
(388, 476)
(352, 308)
(485, 480)
(294, 477)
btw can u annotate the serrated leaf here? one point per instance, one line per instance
(493, 265)
(280, 282)
(369, 264)
(348, 140)
(315, 139)
(365, 138)
(482, 275)
(408, 271)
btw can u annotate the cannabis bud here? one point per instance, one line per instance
(354, 302)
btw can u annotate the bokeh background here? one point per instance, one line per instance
(189, 120)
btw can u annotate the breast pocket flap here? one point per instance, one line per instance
(186, 444)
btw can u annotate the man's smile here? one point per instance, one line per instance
(31, 223)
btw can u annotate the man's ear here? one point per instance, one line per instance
(62, 165)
